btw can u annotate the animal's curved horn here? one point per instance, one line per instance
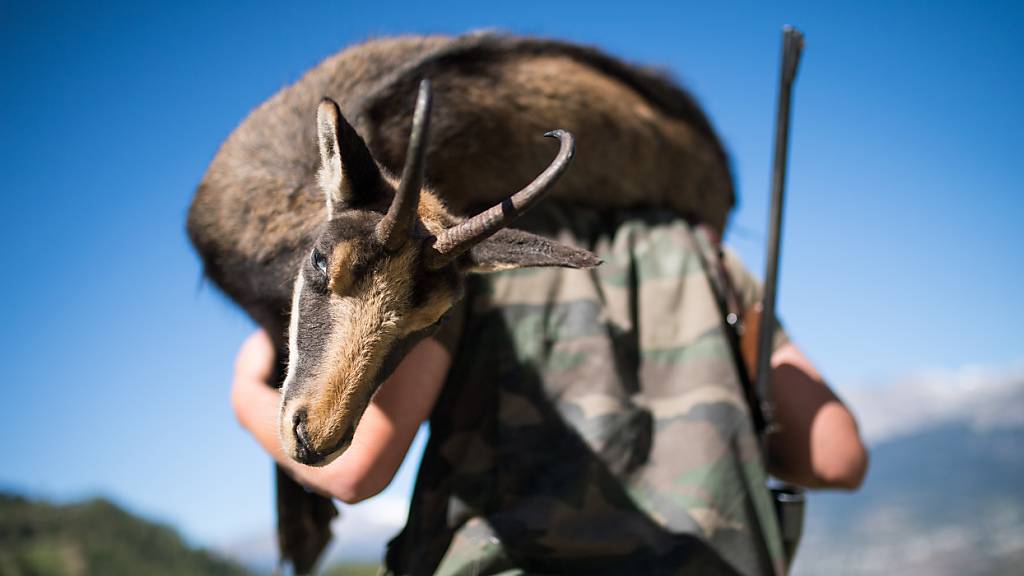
(463, 236)
(394, 228)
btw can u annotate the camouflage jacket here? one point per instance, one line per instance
(593, 421)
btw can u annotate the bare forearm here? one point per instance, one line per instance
(817, 444)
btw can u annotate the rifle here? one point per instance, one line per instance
(789, 500)
(750, 336)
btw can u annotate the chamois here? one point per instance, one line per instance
(305, 226)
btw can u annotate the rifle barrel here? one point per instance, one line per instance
(792, 45)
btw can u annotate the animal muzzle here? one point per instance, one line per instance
(299, 441)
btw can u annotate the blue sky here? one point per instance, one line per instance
(902, 244)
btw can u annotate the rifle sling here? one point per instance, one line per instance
(731, 314)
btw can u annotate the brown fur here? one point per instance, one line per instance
(641, 141)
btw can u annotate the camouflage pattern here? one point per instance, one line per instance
(593, 421)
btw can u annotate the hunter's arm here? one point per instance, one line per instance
(382, 437)
(817, 444)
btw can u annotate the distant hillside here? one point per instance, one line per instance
(94, 537)
(947, 500)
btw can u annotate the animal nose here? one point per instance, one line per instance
(304, 452)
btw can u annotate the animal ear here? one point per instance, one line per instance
(348, 173)
(509, 249)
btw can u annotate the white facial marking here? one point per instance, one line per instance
(293, 334)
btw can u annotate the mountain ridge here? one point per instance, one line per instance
(95, 536)
(946, 500)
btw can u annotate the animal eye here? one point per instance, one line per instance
(319, 261)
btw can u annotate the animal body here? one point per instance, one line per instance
(303, 220)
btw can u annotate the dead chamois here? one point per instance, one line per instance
(346, 266)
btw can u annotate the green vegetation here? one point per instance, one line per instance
(94, 537)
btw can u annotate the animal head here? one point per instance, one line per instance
(389, 262)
